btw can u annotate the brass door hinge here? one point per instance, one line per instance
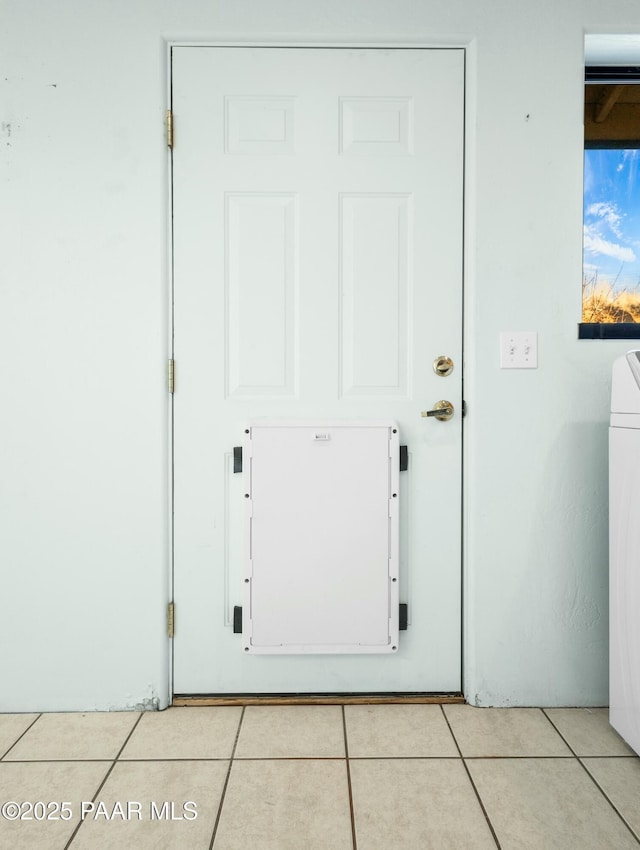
(171, 376)
(171, 612)
(169, 125)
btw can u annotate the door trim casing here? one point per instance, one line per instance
(352, 41)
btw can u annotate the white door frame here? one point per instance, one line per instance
(468, 290)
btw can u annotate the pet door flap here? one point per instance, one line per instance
(321, 537)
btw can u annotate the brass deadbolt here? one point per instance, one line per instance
(443, 366)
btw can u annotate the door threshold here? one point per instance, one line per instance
(318, 699)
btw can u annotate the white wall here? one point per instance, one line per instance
(83, 340)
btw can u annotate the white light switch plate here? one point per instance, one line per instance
(519, 350)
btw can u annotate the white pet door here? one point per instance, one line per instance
(321, 537)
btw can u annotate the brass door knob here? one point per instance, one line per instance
(442, 410)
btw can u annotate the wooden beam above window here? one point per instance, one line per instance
(607, 100)
(612, 112)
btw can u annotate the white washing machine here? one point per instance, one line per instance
(624, 549)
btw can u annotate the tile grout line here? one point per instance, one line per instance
(555, 728)
(349, 786)
(106, 777)
(592, 778)
(473, 784)
(213, 760)
(128, 738)
(604, 794)
(20, 737)
(226, 781)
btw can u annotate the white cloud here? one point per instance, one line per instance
(609, 214)
(595, 244)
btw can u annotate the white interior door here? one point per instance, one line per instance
(318, 200)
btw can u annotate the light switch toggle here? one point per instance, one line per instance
(519, 350)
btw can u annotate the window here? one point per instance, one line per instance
(611, 246)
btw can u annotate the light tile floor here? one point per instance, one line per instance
(385, 777)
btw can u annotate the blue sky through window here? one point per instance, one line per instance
(612, 218)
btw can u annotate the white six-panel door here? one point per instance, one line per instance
(318, 198)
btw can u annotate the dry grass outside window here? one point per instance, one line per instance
(601, 303)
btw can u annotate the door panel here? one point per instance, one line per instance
(318, 273)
